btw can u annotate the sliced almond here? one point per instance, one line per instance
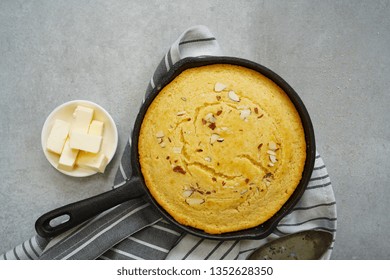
(160, 134)
(162, 144)
(272, 146)
(177, 150)
(218, 87)
(214, 137)
(208, 159)
(210, 118)
(194, 201)
(220, 139)
(244, 114)
(187, 193)
(271, 164)
(272, 158)
(267, 180)
(270, 152)
(181, 113)
(233, 96)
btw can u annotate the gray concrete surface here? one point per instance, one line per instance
(336, 54)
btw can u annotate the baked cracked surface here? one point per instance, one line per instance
(221, 148)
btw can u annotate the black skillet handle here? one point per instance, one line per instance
(79, 212)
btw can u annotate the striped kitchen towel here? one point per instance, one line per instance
(135, 230)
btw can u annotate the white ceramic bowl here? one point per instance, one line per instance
(64, 112)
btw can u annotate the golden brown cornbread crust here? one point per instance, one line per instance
(221, 161)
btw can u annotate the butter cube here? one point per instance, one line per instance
(82, 118)
(68, 157)
(57, 137)
(95, 162)
(96, 128)
(85, 142)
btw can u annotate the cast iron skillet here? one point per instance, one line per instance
(83, 210)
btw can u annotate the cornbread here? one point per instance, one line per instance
(221, 148)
